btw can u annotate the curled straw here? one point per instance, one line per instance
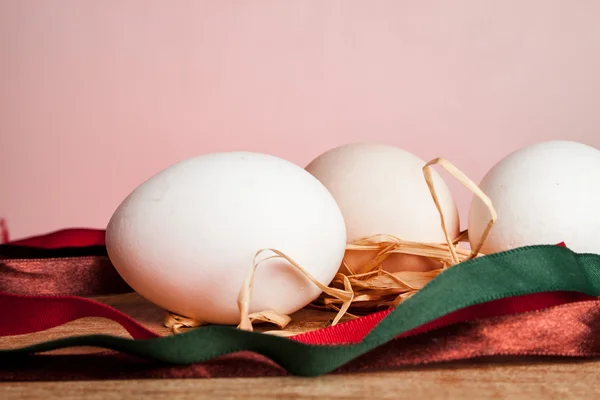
(177, 322)
(345, 296)
(469, 184)
(374, 287)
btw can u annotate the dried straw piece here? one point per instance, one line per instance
(409, 280)
(282, 333)
(388, 245)
(469, 184)
(177, 322)
(271, 317)
(383, 289)
(344, 295)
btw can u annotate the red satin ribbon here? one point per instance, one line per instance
(81, 276)
(558, 323)
(568, 330)
(72, 237)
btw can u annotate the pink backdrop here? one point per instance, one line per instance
(96, 96)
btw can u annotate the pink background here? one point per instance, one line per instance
(96, 96)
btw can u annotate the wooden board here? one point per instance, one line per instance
(520, 380)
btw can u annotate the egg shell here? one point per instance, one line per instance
(381, 189)
(544, 193)
(186, 238)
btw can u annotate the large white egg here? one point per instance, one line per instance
(186, 238)
(381, 190)
(545, 193)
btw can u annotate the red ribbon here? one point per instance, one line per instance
(73, 237)
(544, 323)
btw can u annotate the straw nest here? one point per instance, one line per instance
(356, 291)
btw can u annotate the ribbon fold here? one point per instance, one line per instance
(524, 271)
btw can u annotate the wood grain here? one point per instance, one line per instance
(515, 380)
(479, 381)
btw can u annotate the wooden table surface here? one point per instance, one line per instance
(556, 379)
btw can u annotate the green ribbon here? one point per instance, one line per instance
(517, 272)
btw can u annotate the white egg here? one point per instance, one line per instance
(187, 237)
(381, 190)
(545, 193)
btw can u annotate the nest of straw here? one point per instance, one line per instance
(353, 293)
